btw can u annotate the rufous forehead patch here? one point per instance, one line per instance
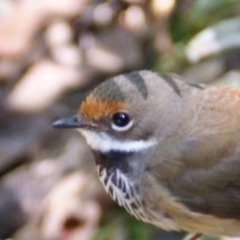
(94, 108)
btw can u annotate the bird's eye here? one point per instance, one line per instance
(121, 121)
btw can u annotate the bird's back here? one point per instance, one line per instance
(200, 165)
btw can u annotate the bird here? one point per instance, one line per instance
(165, 150)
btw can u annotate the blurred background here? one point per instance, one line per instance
(52, 53)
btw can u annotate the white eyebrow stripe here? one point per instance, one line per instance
(103, 143)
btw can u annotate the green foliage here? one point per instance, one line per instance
(118, 224)
(188, 21)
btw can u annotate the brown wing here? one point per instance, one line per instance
(203, 174)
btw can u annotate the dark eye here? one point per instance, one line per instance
(121, 121)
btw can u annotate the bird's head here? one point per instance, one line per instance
(121, 114)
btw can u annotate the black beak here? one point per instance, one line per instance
(75, 121)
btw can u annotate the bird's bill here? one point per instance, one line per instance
(75, 121)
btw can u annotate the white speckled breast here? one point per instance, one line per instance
(123, 191)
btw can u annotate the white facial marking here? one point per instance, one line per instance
(102, 142)
(122, 129)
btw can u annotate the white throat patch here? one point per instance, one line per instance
(102, 142)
